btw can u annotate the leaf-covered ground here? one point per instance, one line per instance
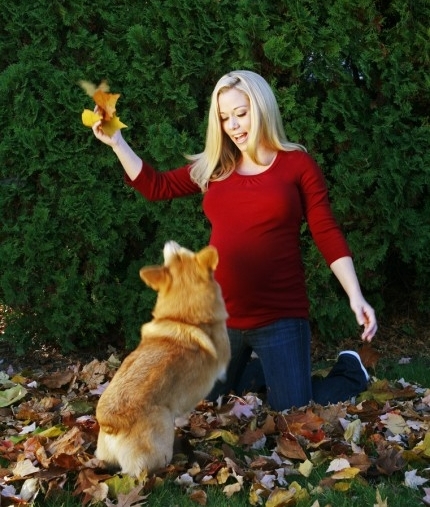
(48, 437)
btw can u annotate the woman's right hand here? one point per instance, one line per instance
(112, 141)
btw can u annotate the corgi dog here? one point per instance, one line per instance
(183, 350)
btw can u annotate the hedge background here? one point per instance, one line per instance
(352, 78)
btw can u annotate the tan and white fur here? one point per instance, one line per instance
(182, 352)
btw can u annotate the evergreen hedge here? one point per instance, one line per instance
(352, 79)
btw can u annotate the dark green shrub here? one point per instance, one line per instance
(352, 82)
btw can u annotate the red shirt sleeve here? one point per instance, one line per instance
(324, 228)
(157, 186)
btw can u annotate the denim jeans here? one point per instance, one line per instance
(284, 367)
(283, 348)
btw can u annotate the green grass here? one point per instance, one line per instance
(417, 371)
(362, 492)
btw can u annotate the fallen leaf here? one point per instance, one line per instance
(346, 473)
(412, 480)
(290, 448)
(338, 464)
(199, 496)
(12, 395)
(280, 498)
(380, 502)
(131, 499)
(57, 379)
(24, 468)
(231, 489)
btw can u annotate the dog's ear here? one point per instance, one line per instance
(208, 257)
(155, 276)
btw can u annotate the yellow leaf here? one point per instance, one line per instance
(123, 484)
(18, 379)
(231, 489)
(227, 436)
(253, 497)
(90, 117)
(424, 446)
(300, 494)
(342, 486)
(353, 431)
(52, 432)
(111, 126)
(306, 468)
(223, 475)
(280, 497)
(380, 502)
(346, 473)
(395, 423)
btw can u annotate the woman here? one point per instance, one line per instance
(257, 189)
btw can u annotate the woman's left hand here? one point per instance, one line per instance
(365, 316)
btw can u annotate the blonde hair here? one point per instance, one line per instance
(220, 156)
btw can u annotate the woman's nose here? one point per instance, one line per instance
(233, 123)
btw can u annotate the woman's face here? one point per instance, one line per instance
(235, 116)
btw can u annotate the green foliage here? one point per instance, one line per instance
(352, 83)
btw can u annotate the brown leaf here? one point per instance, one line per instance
(369, 356)
(269, 425)
(390, 460)
(250, 437)
(69, 443)
(361, 461)
(199, 496)
(57, 379)
(94, 373)
(86, 480)
(289, 447)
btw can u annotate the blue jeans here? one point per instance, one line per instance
(283, 348)
(284, 367)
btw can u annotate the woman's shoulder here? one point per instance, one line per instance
(297, 159)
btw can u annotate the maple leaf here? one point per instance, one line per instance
(130, 499)
(105, 110)
(389, 461)
(412, 480)
(380, 502)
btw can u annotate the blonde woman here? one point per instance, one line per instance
(257, 189)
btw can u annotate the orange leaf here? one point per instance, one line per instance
(106, 102)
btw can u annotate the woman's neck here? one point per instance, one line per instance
(246, 166)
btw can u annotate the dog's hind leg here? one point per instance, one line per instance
(149, 445)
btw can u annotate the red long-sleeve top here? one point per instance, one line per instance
(256, 224)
